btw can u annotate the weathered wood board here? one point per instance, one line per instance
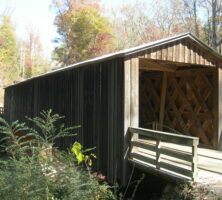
(90, 97)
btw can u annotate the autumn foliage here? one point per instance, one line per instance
(87, 29)
(84, 32)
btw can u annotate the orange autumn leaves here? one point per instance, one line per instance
(84, 32)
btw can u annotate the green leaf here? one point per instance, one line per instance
(80, 157)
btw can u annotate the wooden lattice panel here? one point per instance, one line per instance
(190, 106)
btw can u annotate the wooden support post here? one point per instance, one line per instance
(148, 64)
(158, 153)
(195, 160)
(134, 106)
(163, 100)
(131, 108)
(127, 101)
(219, 104)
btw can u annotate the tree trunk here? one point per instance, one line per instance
(214, 28)
(195, 17)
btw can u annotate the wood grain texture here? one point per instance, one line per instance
(131, 107)
(91, 97)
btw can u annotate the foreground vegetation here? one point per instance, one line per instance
(188, 191)
(35, 169)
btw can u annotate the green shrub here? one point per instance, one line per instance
(35, 169)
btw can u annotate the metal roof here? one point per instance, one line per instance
(127, 52)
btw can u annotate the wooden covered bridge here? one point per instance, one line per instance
(129, 101)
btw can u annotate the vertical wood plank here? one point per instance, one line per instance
(198, 56)
(170, 52)
(148, 53)
(186, 52)
(158, 143)
(127, 115)
(134, 110)
(177, 52)
(134, 102)
(195, 160)
(215, 108)
(164, 52)
(131, 106)
(181, 52)
(163, 100)
(159, 53)
(219, 105)
(153, 53)
(204, 58)
(174, 52)
(194, 55)
(201, 57)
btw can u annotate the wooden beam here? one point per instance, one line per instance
(180, 64)
(165, 151)
(134, 110)
(148, 64)
(165, 136)
(127, 102)
(163, 100)
(194, 162)
(219, 105)
(131, 108)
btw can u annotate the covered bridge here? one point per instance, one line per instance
(174, 85)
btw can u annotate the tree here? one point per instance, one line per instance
(213, 26)
(31, 55)
(186, 13)
(166, 16)
(132, 28)
(8, 54)
(210, 14)
(8, 49)
(151, 23)
(84, 32)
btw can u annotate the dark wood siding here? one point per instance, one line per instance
(90, 96)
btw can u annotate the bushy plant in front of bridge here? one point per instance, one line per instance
(35, 169)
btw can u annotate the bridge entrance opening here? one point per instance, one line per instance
(179, 99)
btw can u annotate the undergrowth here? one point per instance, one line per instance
(189, 191)
(36, 170)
